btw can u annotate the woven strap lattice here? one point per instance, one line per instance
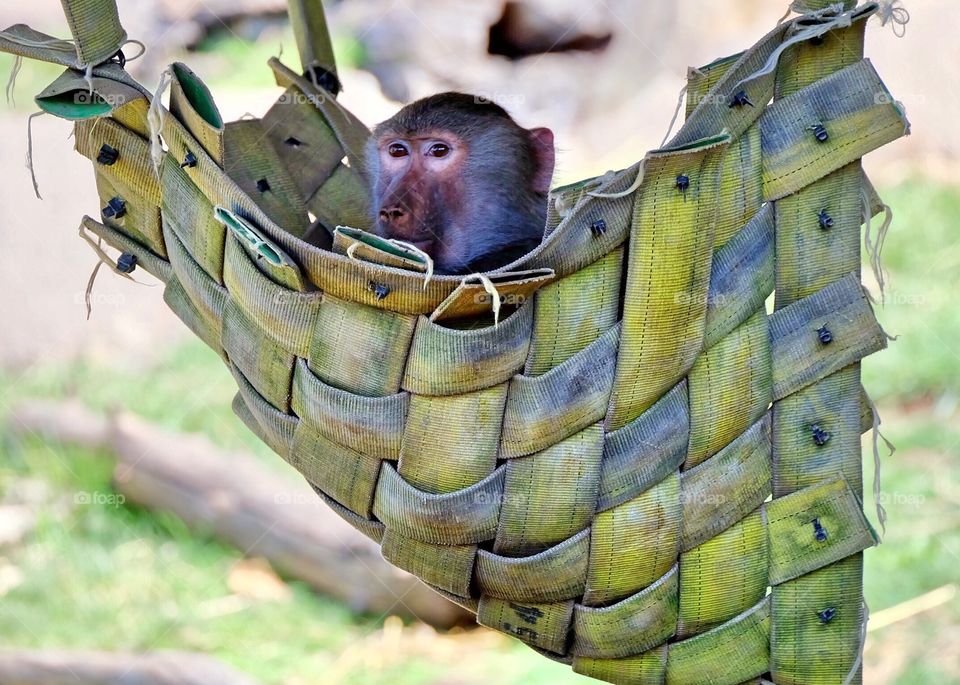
(594, 474)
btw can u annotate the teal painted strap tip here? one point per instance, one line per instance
(250, 237)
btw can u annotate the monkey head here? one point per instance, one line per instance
(454, 175)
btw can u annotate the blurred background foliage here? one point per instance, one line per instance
(115, 577)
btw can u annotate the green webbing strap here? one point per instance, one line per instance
(95, 25)
(313, 38)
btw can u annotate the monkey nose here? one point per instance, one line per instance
(391, 214)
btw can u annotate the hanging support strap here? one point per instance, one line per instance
(313, 41)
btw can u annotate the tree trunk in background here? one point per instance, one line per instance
(103, 668)
(245, 504)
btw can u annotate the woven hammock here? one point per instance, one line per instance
(636, 470)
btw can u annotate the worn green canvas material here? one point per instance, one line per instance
(632, 466)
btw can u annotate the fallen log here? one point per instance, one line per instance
(103, 668)
(243, 503)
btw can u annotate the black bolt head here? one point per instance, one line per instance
(683, 183)
(108, 156)
(826, 221)
(824, 335)
(598, 227)
(819, 532)
(324, 78)
(115, 208)
(380, 291)
(189, 160)
(263, 185)
(741, 99)
(820, 436)
(827, 615)
(292, 142)
(820, 132)
(127, 262)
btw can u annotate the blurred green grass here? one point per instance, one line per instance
(117, 577)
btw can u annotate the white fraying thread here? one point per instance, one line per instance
(88, 77)
(492, 291)
(691, 72)
(93, 129)
(877, 487)
(33, 174)
(676, 113)
(864, 619)
(893, 13)
(637, 182)
(103, 256)
(351, 251)
(155, 119)
(427, 259)
(841, 20)
(874, 249)
(12, 81)
(562, 204)
(139, 44)
(88, 294)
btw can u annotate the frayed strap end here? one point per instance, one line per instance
(637, 182)
(12, 81)
(877, 486)
(155, 119)
(492, 291)
(892, 12)
(427, 259)
(33, 174)
(89, 291)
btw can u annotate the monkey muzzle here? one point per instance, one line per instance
(399, 223)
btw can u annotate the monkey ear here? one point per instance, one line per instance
(544, 156)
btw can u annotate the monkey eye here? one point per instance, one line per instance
(397, 150)
(439, 150)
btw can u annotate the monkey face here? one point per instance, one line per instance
(419, 178)
(455, 176)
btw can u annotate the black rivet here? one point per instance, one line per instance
(598, 228)
(379, 290)
(324, 78)
(826, 221)
(127, 262)
(189, 160)
(262, 185)
(819, 532)
(824, 334)
(820, 132)
(741, 99)
(683, 183)
(115, 208)
(820, 436)
(108, 156)
(292, 142)
(120, 58)
(827, 615)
